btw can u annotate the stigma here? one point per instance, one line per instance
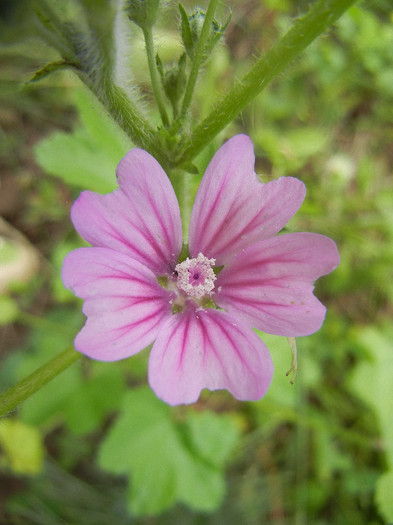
(195, 276)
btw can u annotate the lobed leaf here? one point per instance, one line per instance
(168, 461)
(87, 157)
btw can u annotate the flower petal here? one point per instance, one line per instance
(270, 284)
(233, 210)
(141, 218)
(124, 303)
(208, 349)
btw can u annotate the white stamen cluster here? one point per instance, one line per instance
(195, 276)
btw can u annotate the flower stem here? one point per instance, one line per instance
(303, 32)
(15, 395)
(91, 59)
(129, 119)
(181, 184)
(196, 64)
(147, 33)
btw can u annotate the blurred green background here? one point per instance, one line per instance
(95, 446)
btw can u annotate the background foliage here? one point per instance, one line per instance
(95, 445)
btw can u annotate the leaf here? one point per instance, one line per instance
(18, 262)
(9, 310)
(383, 495)
(281, 392)
(47, 405)
(49, 68)
(86, 158)
(213, 438)
(290, 150)
(329, 459)
(87, 406)
(81, 402)
(21, 448)
(59, 251)
(372, 381)
(105, 133)
(186, 31)
(56, 334)
(306, 141)
(168, 461)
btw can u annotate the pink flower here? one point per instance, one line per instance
(136, 292)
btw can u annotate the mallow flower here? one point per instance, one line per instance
(199, 312)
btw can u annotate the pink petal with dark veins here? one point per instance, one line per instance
(233, 210)
(123, 302)
(269, 285)
(141, 218)
(208, 349)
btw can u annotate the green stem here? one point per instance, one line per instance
(199, 54)
(91, 60)
(147, 33)
(124, 112)
(10, 399)
(304, 31)
(181, 181)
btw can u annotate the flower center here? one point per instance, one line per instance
(195, 276)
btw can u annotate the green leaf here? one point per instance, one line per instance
(186, 31)
(47, 405)
(9, 310)
(168, 461)
(281, 392)
(86, 158)
(383, 495)
(213, 438)
(44, 71)
(329, 459)
(87, 406)
(289, 151)
(372, 381)
(21, 448)
(56, 334)
(59, 252)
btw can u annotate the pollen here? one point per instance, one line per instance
(196, 276)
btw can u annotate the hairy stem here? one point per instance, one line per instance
(91, 59)
(123, 111)
(10, 399)
(154, 76)
(304, 31)
(199, 54)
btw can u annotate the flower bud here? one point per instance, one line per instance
(173, 80)
(191, 28)
(142, 12)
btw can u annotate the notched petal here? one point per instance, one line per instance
(141, 218)
(233, 210)
(270, 284)
(123, 302)
(208, 349)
